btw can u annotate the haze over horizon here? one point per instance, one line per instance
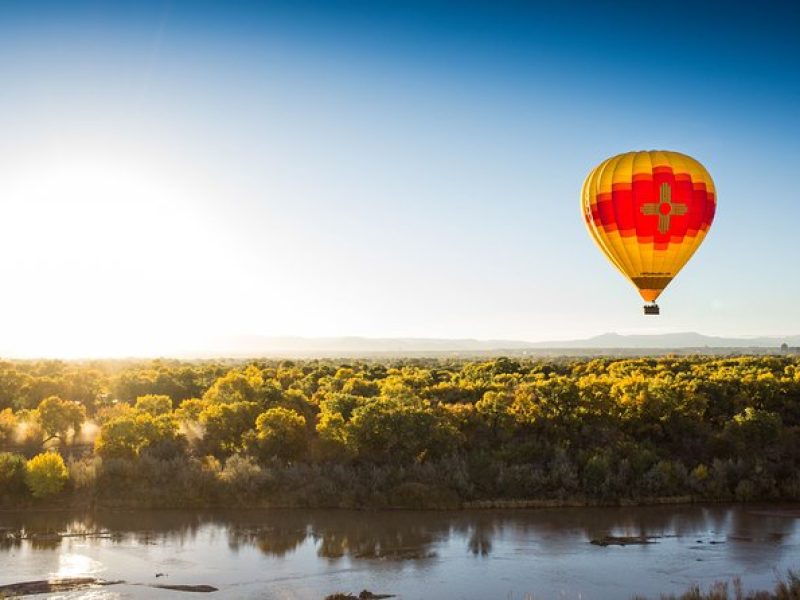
(172, 172)
(290, 347)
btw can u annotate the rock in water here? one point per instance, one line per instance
(46, 586)
(188, 588)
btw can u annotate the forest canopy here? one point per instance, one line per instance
(401, 432)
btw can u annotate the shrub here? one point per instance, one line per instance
(243, 476)
(414, 495)
(745, 490)
(83, 473)
(46, 474)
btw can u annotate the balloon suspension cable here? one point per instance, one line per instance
(651, 309)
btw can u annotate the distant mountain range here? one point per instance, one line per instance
(689, 339)
(356, 346)
(361, 346)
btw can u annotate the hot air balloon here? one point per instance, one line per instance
(648, 212)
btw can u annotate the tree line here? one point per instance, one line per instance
(399, 432)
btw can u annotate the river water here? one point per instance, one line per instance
(480, 555)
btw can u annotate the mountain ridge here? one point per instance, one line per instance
(253, 345)
(688, 339)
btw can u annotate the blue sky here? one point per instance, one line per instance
(177, 169)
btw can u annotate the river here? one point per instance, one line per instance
(476, 555)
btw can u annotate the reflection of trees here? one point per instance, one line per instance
(375, 535)
(144, 527)
(388, 535)
(479, 529)
(271, 540)
(753, 539)
(275, 533)
(44, 541)
(333, 544)
(149, 527)
(9, 540)
(392, 535)
(480, 541)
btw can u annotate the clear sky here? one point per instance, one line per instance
(176, 170)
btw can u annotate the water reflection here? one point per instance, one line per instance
(272, 540)
(480, 541)
(411, 536)
(338, 534)
(361, 536)
(76, 565)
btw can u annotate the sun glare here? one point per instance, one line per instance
(76, 565)
(106, 252)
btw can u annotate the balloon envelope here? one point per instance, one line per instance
(648, 212)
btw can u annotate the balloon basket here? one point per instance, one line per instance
(651, 309)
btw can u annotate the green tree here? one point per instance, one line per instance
(754, 432)
(60, 417)
(127, 435)
(46, 474)
(358, 386)
(8, 425)
(281, 432)
(226, 424)
(494, 407)
(119, 438)
(333, 444)
(400, 430)
(343, 404)
(189, 410)
(12, 386)
(243, 385)
(154, 404)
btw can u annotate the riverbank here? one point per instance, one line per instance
(773, 507)
(580, 502)
(82, 503)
